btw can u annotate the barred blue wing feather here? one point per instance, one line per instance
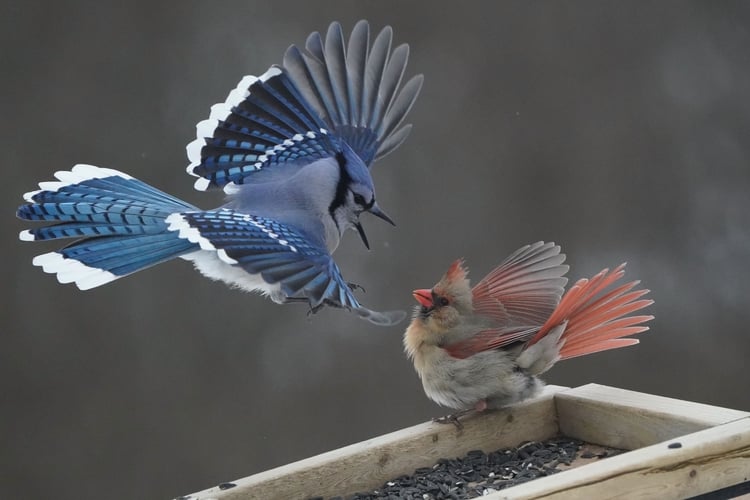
(280, 254)
(263, 124)
(323, 95)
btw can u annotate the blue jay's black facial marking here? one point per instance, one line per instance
(339, 199)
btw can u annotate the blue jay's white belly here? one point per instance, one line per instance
(210, 265)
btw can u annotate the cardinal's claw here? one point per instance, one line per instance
(450, 419)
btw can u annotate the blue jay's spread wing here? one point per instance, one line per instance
(278, 253)
(264, 123)
(294, 114)
(357, 90)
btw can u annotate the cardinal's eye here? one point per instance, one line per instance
(442, 301)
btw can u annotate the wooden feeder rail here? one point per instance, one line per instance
(710, 450)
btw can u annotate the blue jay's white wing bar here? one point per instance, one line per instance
(263, 247)
(263, 123)
(352, 95)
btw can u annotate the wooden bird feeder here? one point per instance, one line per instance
(677, 449)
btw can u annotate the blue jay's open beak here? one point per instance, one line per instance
(377, 212)
(362, 234)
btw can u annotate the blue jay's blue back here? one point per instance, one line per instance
(292, 150)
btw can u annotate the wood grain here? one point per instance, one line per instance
(367, 465)
(710, 450)
(629, 420)
(706, 461)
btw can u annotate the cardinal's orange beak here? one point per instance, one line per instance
(423, 296)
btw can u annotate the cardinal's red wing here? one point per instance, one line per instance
(525, 288)
(486, 340)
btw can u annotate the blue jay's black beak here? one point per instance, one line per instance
(362, 234)
(377, 212)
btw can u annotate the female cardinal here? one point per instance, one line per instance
(484, 347)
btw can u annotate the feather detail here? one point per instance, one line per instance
(356, 90)
(486, 340)
(119, 223)
(597, 320)
(525, 288)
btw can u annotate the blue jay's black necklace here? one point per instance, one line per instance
(339, 199)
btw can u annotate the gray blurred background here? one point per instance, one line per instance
(619, 130)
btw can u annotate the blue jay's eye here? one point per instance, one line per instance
(359, 199)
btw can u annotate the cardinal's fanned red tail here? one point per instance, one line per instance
(598, 319)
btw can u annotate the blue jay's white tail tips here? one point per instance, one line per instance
(73, 271)
(78, 173)
(118, 221)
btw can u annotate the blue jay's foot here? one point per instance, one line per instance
(296, 300)
(326, 302)
(354, 287)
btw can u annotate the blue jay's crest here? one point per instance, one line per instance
(322, 97)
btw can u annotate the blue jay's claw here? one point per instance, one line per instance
(378, 212)
(354, 287)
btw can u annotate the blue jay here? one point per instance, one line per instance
(290, 148)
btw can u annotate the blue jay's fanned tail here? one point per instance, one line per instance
(119, 222)
(322, 96)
